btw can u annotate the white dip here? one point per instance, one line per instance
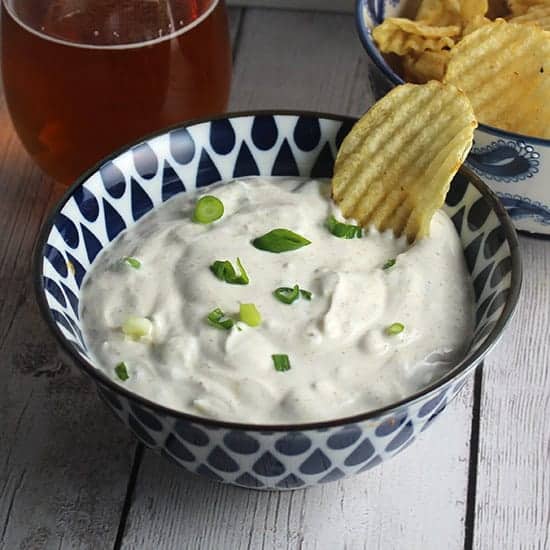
(342, 360)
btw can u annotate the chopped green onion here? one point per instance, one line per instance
(280, 240)
(243, 277)
(389, 263)
(281, 362)
(208, 209)
(218, 319)
(121, 371)
(224, 270)
(395, 328)
(137, 327)
(289, 295)
(132, 262)
(250, 315)
(343, 230)
(306, 294)
(286, 294)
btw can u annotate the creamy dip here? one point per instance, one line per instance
(343, 360)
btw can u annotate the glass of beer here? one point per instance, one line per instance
(85, 77)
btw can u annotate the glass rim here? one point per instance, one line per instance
(124, 46)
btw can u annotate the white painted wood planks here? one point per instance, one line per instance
(513, 485)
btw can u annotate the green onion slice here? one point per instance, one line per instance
(395, 328)
(224, 270)
(306, 294)
(132, 262)
(218, 319)
(280, 240)
(281, 362)
(137, 327)
(208, 209)
(389, 263)
(122, 371)
(343, 230)
(288, 295)
(250, 315)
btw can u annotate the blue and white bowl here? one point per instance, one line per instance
(127, 185)
(516, 167)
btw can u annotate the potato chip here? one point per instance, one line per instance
(535, 15)
(394, 168)
(450, 12)
(473, 8)
(474, 24)
(439, 12)
(518, 7)
(425, 66)
(397, 35)
(504, 70)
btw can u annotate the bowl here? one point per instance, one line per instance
(131, 182)
(516, 166)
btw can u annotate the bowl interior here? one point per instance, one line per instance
(122, 189)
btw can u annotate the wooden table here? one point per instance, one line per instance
(72, 477)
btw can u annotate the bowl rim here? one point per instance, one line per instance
(365, 36)
(460, 370)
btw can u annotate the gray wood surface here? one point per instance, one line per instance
(320, 5)
(66, 465)
(513, 490)
(299, 60)
(319, 66)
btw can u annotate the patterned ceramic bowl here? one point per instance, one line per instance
(123, 188)
(515, 166)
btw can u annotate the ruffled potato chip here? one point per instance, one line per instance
(504, 70)
(425, 66)
(473, 8)
(394, 168)
(474, 24)
(450, 12)
(439, 12)
(519, 7)
(400, 36)
(535, 15)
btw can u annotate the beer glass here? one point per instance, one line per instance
(85, 77)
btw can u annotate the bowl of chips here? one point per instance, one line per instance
(497, 52)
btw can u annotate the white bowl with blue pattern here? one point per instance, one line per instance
(130, 183)
(516, 166)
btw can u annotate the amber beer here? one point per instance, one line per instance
(85, 77)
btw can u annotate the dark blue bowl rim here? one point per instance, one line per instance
(377, 58)
(459, 370)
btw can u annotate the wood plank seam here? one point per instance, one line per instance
(18, 486)
(128, 499)
(469, 521)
